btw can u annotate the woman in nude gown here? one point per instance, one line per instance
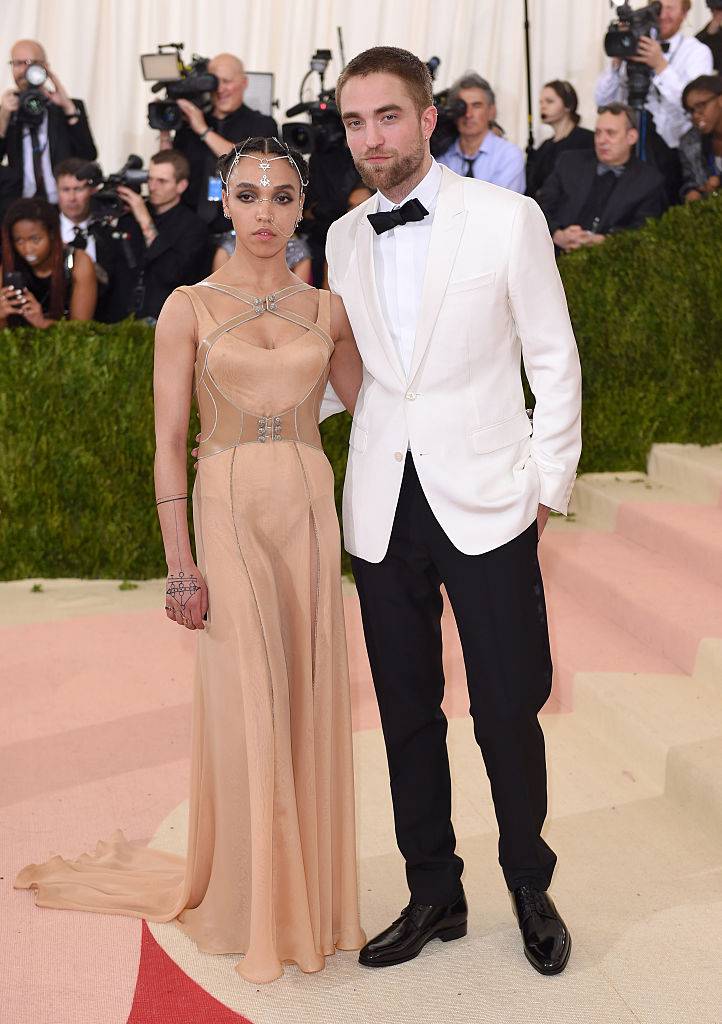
(270, 870)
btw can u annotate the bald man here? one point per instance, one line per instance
(34, 148)
(206, 137)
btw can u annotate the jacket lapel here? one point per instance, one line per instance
(446, 232)
(367, 273)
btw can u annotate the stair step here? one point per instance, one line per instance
(694, 774)
(662, 605)
(642, 717)
(694, 470)
(583, 641)
(708, 665)
(690, 535)
(597, 497)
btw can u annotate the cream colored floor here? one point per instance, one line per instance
(639, 883)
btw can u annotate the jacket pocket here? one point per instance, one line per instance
(358, 438)
(501, 435)
(470, 283)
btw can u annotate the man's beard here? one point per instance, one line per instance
(393, 172)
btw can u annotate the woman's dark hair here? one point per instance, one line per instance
(705, 83)
(41, 212)
(258, 144)
(568, 95)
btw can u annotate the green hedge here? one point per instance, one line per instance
(76, 483)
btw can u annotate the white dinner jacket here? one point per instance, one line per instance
(492, 295)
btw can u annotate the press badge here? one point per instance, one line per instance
(214, 189)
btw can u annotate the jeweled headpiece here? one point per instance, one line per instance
(264, 163)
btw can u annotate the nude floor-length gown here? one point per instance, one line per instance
(270, 870)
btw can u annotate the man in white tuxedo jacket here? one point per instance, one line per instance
(449, 283)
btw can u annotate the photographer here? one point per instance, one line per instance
(43, 280)
(590, 195)
(175, 247)
(106, 243)
(711, 34)
(478, 152)
(34, 141)
(674, 61)
(206, 137)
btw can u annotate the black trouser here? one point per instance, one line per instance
(498, 603)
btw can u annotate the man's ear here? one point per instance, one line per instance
(182, 185)
(632, 136)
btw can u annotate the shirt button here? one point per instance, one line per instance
(410, 396)
(398, 456)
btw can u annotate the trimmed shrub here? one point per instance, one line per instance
(76, 404)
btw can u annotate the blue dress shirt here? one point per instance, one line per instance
(496, 160)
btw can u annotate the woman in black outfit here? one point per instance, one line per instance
(43, 281)
(558, 107)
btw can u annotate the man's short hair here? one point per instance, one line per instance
(180, 164)
(686, 6)
(471, 80)
(69, 167)
(391, 60)
(620, 108)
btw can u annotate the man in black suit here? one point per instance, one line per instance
(205, 137)
(592, 194)
(175, 246)
(33, 149)
(113, 245)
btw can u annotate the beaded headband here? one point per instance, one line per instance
(264, 163)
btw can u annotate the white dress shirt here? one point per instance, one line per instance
(400, 264)
(688, 59)
(67, 232)
(29, 184)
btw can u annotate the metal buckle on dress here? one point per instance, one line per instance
(258, 306)
(277, 436)
(271, 304)
(262, 429)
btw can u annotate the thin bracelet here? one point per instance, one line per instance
(176, 497)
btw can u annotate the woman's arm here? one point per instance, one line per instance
(85, 287)
(175, 352)
(346, 366)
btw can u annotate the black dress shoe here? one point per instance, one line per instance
(418, 924)
(547, 942)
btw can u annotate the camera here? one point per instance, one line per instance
(714, 5)
(33, 101)
(181, 81)
(622, 41)
(325, 131)
(105, 204)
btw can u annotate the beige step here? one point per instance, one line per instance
(692, 469)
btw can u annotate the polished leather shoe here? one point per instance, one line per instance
(417, 925)
(547, 942)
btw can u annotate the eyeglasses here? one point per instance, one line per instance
(699, 108)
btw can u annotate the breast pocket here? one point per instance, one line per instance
(470, 284)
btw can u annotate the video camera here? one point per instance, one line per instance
(448, 114)
(105, 204)
(622, 41)
(181, 81)
(325, 132)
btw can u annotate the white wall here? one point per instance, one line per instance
(94, 46)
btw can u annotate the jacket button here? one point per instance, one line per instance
(410, 396)
(398, 456)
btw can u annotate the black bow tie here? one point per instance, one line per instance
(411, 211)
